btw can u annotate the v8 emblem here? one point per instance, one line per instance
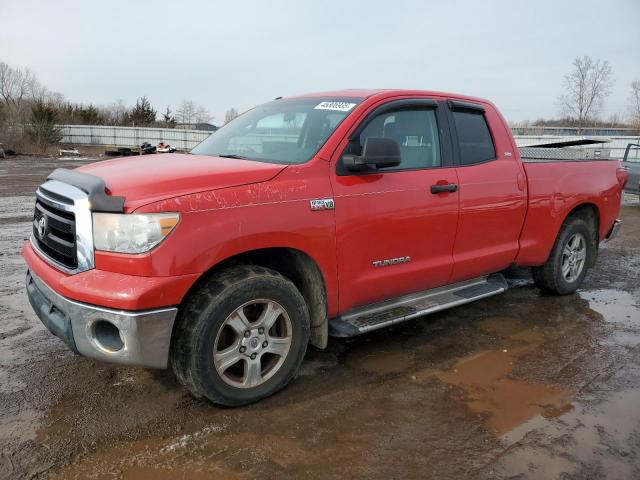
(322, 204)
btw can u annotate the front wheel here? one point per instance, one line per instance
(241, 336)
(572, 254)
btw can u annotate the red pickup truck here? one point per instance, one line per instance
(329, 214)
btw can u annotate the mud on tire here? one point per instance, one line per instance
(211, 323)
(553, 277)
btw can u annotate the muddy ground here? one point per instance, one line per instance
(521, 385)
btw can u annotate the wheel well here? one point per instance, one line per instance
(590, 213)
(298, 267)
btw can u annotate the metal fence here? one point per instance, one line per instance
(616, 145)
(187, 139)
(583, 131)
(130, 136)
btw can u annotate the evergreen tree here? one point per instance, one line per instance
(143, 113)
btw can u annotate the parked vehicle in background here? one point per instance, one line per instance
(632, 163)
(165, 148)
(330, 214)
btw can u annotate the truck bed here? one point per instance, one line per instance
(549, 154)
(553, 186)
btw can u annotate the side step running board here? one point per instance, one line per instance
(401, 309)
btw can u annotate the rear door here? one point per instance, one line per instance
(492, 190)
(393, 235)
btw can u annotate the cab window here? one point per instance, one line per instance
(474, 138)
(414, 129)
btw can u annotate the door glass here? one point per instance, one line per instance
(415, 130)
(474, 138)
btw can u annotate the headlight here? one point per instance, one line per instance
(131, 233)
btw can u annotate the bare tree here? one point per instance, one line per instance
(18, 87)
(189, 113)
(585, 89)
(634, 101)
(55, 99)
(185, 112)
(614, 120)
(116, 113)
(230, 115)
(202, 115)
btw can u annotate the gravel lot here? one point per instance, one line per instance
(521, 385)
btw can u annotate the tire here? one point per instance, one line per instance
(212, 321)
(552, 277)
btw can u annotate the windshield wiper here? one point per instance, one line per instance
(231, 155)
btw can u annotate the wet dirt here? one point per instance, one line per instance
(485, 377)
(523, 386)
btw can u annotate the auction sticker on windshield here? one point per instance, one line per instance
(339, 106)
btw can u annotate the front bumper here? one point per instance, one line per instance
(139, 338)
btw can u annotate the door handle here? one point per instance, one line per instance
(446, 188)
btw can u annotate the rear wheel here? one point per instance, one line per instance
(573, 253)
(241, 336)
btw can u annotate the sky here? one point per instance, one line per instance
(240, 53)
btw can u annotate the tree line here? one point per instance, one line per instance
(29, 109)
(21, 91)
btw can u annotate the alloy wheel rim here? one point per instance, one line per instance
(574, 256)
(252, 343)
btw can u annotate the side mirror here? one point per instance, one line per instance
(377, 152)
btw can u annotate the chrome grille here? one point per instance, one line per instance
(62, 230)
(54, 231)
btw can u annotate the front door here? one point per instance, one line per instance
(394, 236)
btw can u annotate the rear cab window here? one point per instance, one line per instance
(474, 138)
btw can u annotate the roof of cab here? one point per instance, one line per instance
(366, 93)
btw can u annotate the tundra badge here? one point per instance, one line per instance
(390, 261)
(322, 204)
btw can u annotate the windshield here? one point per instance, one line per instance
(282, 131)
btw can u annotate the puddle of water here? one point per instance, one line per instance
(616, 306)
(538, 463)
(620, 309)
(153, 473)
(490, 390)
(596, 431)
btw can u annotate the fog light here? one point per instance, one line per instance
(107, 336)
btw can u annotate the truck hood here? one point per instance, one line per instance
(148, 178)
